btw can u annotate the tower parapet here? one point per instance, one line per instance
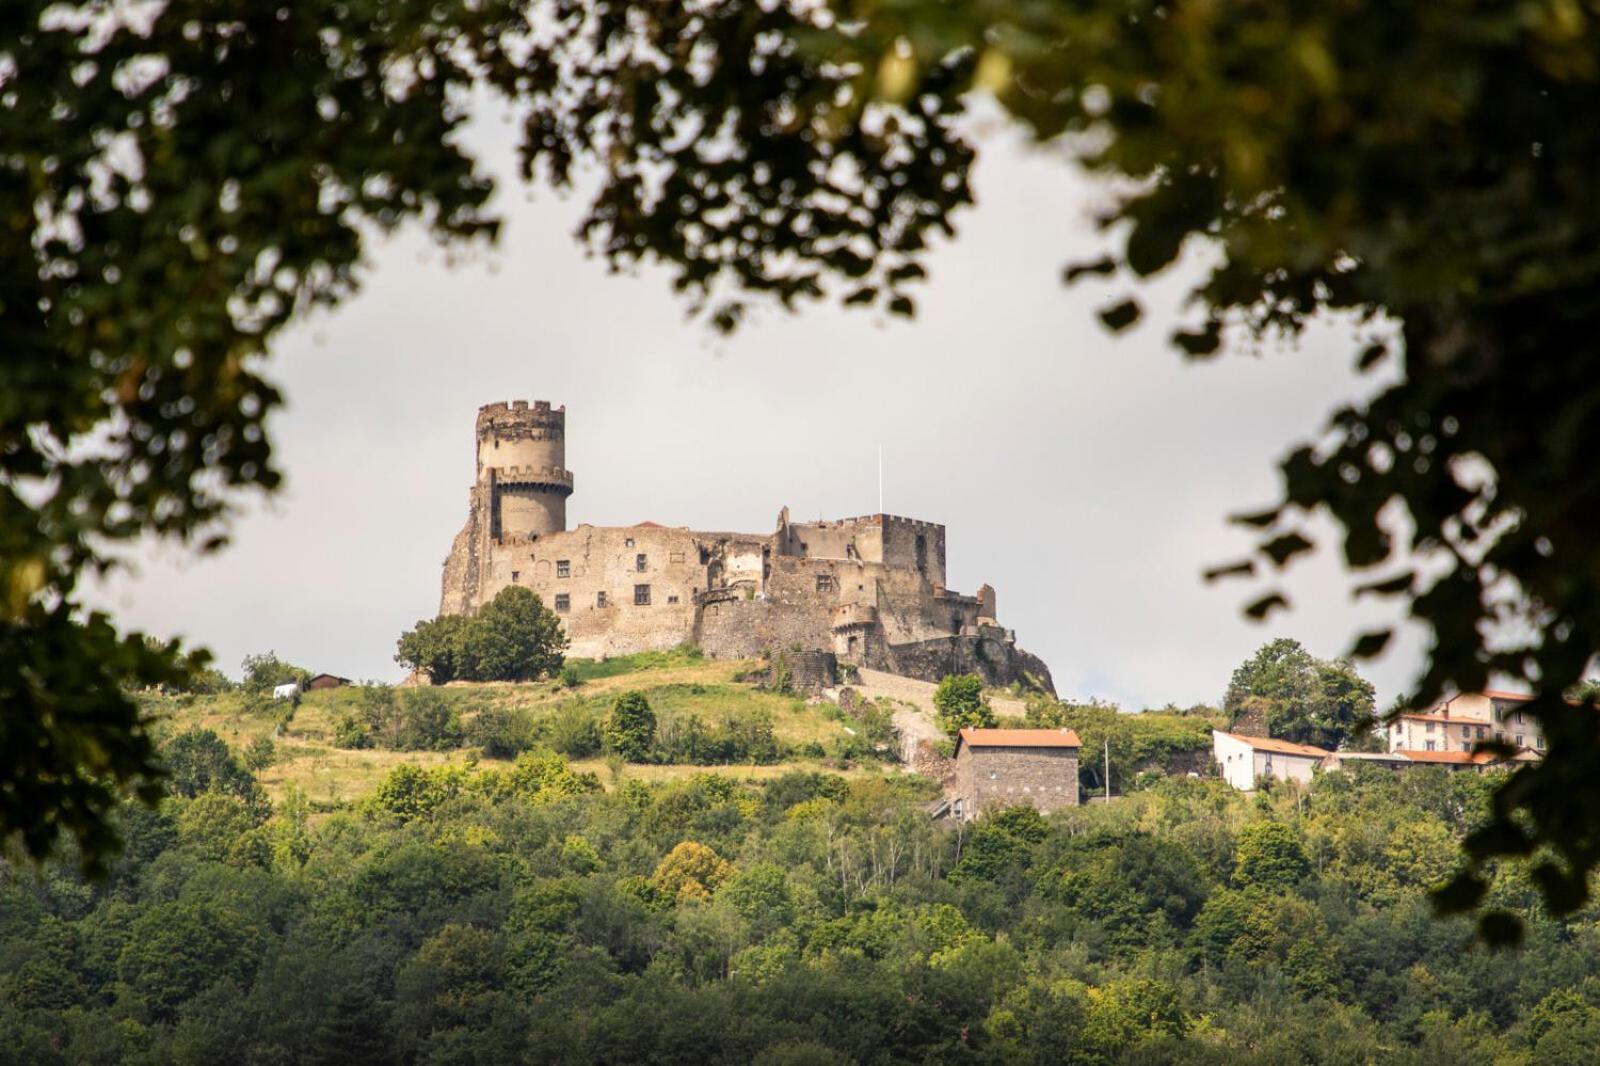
(522, 474)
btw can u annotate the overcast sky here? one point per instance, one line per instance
(1086, 477)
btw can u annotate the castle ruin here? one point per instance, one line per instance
(869, 590)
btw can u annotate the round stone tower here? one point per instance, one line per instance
(522, 472)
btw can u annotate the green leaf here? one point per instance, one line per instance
(1272, 601)
(1201, 342)
(1242, 568)
(1282, 548)
(1371, 645)
(1100, 267)
(1120, 316)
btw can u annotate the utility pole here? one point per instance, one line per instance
(1108, 769)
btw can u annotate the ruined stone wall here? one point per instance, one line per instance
(991, 778)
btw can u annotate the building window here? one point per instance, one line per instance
(641, 562)
(1480, 732)
(641, 595)
(514, 575)
(672, 599)
(1466, 731)
(1538, 742)
(563, 602)
(1430, 745)
(1518, 718)
(600, 600)
(1428, 727)
(563, 568)
(674, 557)
(628, 543)
(1519, 740)
(824, 582)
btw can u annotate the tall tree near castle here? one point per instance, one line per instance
(181, 182)
(1296, 696)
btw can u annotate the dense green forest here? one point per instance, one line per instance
(523, 911)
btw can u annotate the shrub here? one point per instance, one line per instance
(573, 732)
(427, 722)
(501, 733)
(961, 705)
(261, 753)
(631, 729)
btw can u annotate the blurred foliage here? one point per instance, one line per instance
(181, 180)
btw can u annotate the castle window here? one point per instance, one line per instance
(672, 599)
(824, 582)
(515, 574)
(563, 568)
(563, 602)
(641, 562)
(641, 595)
(675, 557)
(600, 600)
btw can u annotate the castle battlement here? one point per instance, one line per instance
(531, 475)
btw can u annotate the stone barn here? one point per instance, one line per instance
(998, 768)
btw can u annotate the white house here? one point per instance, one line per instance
(286, 692)
(1246, 760)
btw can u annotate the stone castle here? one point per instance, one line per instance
(869, 591)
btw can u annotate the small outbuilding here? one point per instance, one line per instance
(998, 768)
(322, 681)
(1245, 761)
(286, 691)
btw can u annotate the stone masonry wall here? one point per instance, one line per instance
(991, 778)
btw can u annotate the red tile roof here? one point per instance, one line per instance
(1417, 716)
(1282, 747)
(1020, 738)
(1461, 758)
(1520, 697)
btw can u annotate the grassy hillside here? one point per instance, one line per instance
(679, 685)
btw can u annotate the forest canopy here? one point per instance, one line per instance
(518, 912)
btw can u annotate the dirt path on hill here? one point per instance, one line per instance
(916, 722)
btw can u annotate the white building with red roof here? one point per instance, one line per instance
(1247, 761)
